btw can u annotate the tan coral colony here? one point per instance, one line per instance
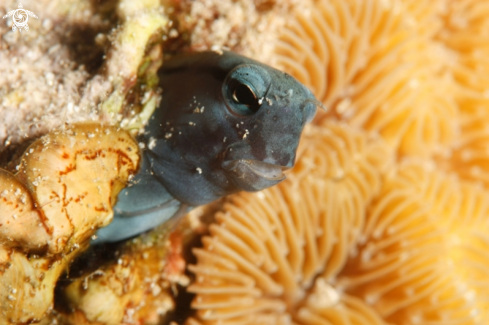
(61, 194)
(383, 220)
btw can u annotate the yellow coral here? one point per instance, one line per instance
(465, 35)
(334, 243)
(76, 173)
(63, 192)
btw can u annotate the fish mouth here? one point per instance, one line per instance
(254, 175)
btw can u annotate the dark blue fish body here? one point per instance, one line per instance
(226, 123)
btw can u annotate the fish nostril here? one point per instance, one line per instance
(285, 160)
(289, 165)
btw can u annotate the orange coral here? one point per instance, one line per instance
(423, 257)
(414, 72)
(336, 243)
(465, 35)
(375, 64)
(62, 193)
(259, 264)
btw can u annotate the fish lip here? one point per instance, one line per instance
(268, 171)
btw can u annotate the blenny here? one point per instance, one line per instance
(225, 123)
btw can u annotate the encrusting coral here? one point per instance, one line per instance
(44, 69)
(78, 62)
(137, 282)
(62, 192)
(384, 217)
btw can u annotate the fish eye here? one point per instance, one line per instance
(243, 94)
(245, 87)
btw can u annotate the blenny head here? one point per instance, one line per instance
(225, 123)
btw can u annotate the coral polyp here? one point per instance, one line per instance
(376, 68)
(273, 257)
(382, 220)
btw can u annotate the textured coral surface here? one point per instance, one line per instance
(383, 220)
(410, 240)
(60, 195)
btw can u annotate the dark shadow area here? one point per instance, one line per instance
(183, 299)
(10, 156)
(88, 42)
(80, 40)
(88, 262)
